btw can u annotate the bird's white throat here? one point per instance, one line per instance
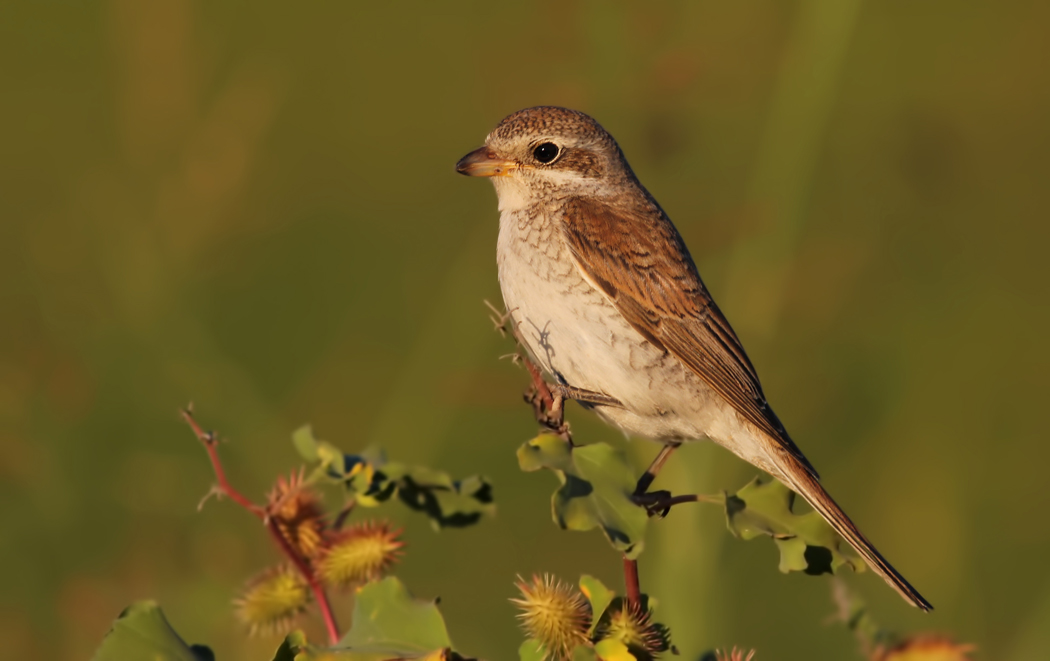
(515, 194)
(512, 193)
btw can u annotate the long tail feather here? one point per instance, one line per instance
(804, 483)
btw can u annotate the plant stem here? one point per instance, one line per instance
(344, 514)
(630, 579)
(308, 575)
(210, 442)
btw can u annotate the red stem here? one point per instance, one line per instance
(630, 579)
(210, 443)
(319, 594)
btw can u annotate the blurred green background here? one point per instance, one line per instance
(253, 206)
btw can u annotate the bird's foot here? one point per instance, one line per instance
(548, 402)
(654, 502)
(659, 503)
(549, 411)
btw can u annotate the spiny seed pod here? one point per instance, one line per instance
(926, 647)
(272, 600)
(553, 613)
(297, 512)
(633, 626)
(359, 554)
(734, 655)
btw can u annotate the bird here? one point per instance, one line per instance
(606, 298)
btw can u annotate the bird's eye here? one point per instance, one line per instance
(545, 152)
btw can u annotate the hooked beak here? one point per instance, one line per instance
(484, 163)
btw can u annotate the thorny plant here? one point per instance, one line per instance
(323, 551)
(319, 553)
(759, 509)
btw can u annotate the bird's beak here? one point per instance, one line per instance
(483, 162)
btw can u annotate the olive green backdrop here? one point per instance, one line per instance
(253, 206)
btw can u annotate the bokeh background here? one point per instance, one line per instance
(253, 206)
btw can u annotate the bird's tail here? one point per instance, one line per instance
(804, 483)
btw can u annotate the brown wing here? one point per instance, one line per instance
(638, 259)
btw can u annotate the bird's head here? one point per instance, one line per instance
(543, 151)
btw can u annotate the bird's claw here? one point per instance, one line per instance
(654, 502)
(550, 414)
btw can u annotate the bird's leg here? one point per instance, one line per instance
(630, 567)
(585, 396)
(646, 480)
(654, 503)
(545, 404)
(548, 401)
(548, 406)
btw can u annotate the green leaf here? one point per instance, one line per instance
(599, 597)
(532, 650)
(295, 648)
(387, 619)
(331, 459)
(597, 485)
(611, 649)
(310, 653)
(304, 441)
(292, 644)
(657, 636)
(372, 481)
(447, 502)
(806, 542)
(142, 632)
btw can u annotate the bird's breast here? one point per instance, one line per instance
(548, 298)
(570, 327)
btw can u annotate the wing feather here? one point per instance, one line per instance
(638, 260)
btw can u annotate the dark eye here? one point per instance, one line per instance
(545, 152)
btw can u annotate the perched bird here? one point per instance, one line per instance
(606, 298)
